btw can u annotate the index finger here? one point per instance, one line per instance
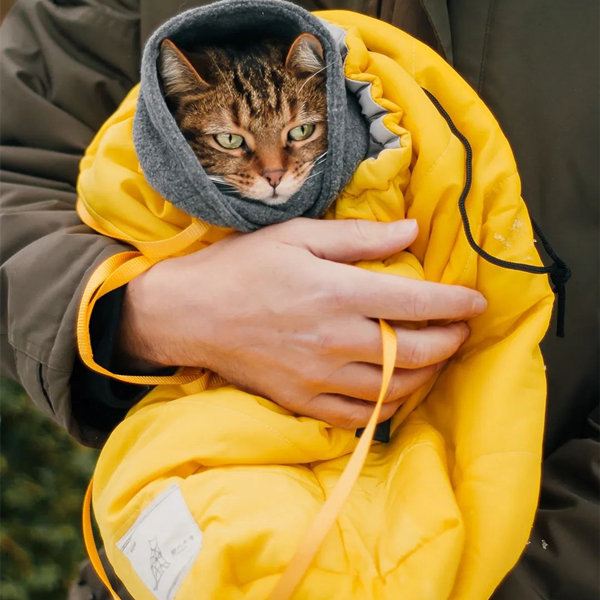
(392, 297)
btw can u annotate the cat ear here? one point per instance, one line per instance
(305, 56)
(177, 73)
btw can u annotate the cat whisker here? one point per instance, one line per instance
(313, 75)
(223, 185)
(319, 160)
(313, 175)
(220, 180)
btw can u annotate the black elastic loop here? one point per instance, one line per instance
(559, 271)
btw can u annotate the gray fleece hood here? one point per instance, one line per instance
(170, 165)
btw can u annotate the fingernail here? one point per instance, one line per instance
(465, 332)
(479, 304)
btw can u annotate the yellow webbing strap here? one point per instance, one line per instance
(155, 249)
(90, 544)
(329, 512)
(113, 273)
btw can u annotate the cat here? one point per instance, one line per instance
(255, 114)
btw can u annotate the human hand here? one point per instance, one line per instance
(277, 313)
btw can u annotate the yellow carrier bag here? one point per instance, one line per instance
(208, 492)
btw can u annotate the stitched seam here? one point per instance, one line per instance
(436, 35)
(36, 359)
(499, 184)
(445, 151)
(486, 36)
(473, 256)
(43, 388)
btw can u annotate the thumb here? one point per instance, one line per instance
(349, 240)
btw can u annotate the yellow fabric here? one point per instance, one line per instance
(331, 508)
(444, 509)
(328, 513)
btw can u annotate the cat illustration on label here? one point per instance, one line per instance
(255, 114)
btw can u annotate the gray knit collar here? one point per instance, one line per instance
(168, 162)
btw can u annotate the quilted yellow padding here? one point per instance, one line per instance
(442, 511)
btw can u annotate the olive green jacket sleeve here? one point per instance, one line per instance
(65, 67)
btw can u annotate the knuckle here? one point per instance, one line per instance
(420, 377)
(405, 383)
(448, 340)
(362, 230)
(396, 389)
(453, 341)
(388, 410)
(358, 416)
(461, 331)
(417, 353)
(354, 422)
(320, 293)
(417, 303)
(334, 296)
(325, 343)
(341, 422)
(311, 379)
(353, 415)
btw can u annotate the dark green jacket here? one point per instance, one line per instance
(65, 67)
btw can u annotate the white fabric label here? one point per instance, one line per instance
(163, 543)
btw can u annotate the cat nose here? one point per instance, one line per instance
(273, 176)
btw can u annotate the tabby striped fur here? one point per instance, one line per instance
(268, 94)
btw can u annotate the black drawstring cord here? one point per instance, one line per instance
(559, 271)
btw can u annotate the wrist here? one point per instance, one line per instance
(161, 323)
(135, 349)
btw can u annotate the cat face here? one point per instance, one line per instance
(254, 114)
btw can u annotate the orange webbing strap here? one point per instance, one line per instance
(90, 544)
(330, 510)
(113, 273)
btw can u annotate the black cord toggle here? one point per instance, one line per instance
(559, 275)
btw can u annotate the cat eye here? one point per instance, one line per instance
(302, 132)
(230, 141)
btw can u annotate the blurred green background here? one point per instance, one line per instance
(44, 474)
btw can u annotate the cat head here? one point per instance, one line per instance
(255, 114)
